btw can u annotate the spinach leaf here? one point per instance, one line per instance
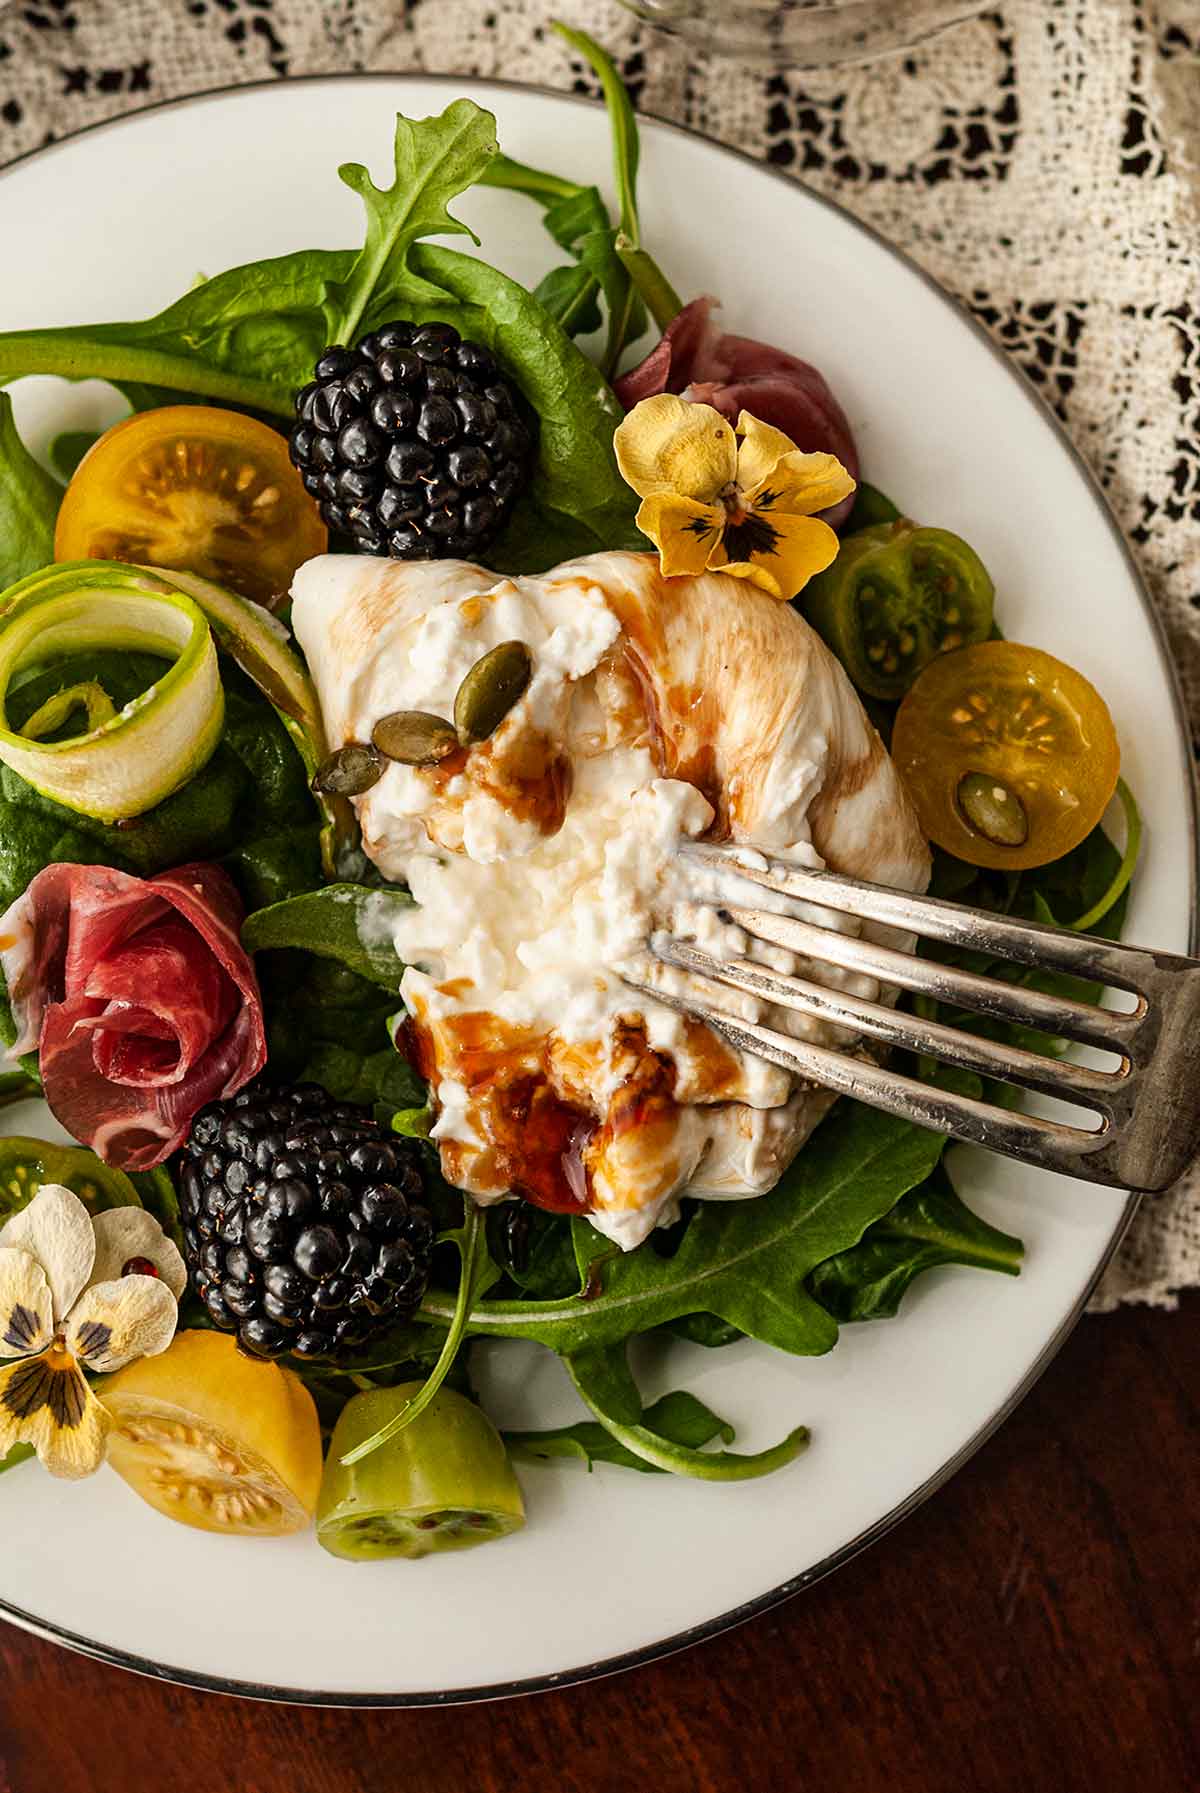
(870, 506)
(746, 1262)
(346, 922)
(326, 1025)
(931, 1225)
(29, 501)
(68, 448)
(678, 1418)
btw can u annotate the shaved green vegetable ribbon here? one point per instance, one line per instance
(125, 763)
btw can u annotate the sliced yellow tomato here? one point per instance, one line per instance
(197, 489)
(220, 1441)
(1010, 755)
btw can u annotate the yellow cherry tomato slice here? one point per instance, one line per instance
(220, 1441)
(196, 489)
(1009, 754)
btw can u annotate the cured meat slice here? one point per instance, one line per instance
(139, 998)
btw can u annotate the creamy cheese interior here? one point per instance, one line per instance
(544, 861)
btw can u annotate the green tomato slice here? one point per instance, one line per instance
(123, 764)
(896, 597)
(443, 1483)
(25, 1164)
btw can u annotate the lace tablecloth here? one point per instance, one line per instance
(1042, 162)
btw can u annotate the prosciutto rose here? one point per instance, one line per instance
(734, 374)
(139, 998)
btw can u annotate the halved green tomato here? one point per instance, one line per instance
(196, 488)
(219, 1441)
(25, 1164)
(443, 1483)
(1009, 755)
(895, 597)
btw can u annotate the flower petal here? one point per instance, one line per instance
(56, 1229)
(667, 445)
(114, 1322)
(26, 1306)
(686, 534)
(802, 484)
(760, 449)
(45, 1402)
(802, 548)
(123, 1234)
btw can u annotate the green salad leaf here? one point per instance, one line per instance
(436, 159)
(928, 1227)
(29, 501)
(346, 922)
(251, 336)
(326, 1025)
(604, 1380)
(746, 1262)
(678, 1418)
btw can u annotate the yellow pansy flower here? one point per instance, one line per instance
(77, 1294)
(741, 502)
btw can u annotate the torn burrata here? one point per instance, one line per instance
(544, 861)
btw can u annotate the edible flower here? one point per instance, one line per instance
(77, 1293)
(739, 502)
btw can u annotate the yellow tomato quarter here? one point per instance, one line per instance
(196, 489)
(216, 1439)
(1024, 741)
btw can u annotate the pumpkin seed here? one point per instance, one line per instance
(992, 809)
(414, 737)
(349, 772)
(490, 689)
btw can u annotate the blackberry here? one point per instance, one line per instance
(412, 443)
(305, 1226)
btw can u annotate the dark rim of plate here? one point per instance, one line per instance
(737, 1615)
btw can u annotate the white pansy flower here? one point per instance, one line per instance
(77, 1293)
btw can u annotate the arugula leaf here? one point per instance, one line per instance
(678, 1418)
(29, 501)
(931, 1225)
(435, 159)
(746, 1262)
(346, 922)
(605, 1381)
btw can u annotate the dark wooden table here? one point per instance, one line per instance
(1035, 1628)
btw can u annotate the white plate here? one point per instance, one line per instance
(613, 1567)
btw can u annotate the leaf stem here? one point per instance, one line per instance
(84, 358)
(519, 177)
(651, 284)
(468, 1239)
(681, 1459)
(1127, 867)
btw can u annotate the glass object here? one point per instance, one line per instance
(806, 33)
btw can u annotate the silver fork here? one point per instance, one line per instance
(1148, 1104)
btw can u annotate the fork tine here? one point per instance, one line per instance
(1052, 1144)
(955, 924)
(1055, 1015)
(1007, 1063)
